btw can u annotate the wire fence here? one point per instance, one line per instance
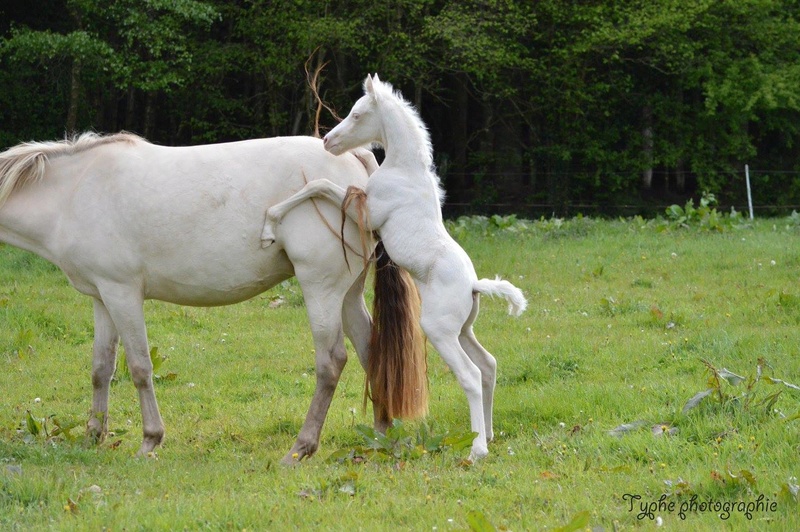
(774, 193)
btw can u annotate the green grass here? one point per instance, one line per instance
(621, 317)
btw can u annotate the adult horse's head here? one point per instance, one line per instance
(363, 125)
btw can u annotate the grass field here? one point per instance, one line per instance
(622, 317)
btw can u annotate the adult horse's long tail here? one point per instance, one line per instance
(397, 367)
(397, 370)
(497, 287)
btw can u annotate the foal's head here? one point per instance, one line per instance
(364, 123)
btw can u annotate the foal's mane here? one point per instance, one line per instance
(25, 163)
(415, 126)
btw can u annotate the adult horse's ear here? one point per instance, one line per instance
(375, 78)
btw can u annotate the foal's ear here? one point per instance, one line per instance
(369, 89)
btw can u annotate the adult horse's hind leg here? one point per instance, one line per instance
(104, 358)
(126, 309)
(485, 362)
(323, 297)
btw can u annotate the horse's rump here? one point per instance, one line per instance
(397, 368)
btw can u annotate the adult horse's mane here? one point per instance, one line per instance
(26, 162)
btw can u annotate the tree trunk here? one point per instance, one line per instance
(680, 178)
(647, 147)
(150, 114)
(130, 109)
(459, 132)
(74, 97)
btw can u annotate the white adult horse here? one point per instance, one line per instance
(127, 220)
(403, 204)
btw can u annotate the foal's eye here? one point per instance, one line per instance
(356, 116)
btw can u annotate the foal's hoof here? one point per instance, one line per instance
(267, 235)
(477, 454)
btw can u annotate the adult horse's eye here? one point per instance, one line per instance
(356, 116)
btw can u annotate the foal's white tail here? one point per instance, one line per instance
(498, 287)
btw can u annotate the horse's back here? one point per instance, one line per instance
(185, 222)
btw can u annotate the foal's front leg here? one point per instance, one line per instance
(319, 188)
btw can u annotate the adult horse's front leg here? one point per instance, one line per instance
(323, 300)
(126, 309)
(104, 358)
(319, 188)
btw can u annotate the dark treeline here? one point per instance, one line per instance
(534, 106)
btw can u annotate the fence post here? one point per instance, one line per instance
(749, 195)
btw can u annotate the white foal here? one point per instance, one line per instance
(403, 199)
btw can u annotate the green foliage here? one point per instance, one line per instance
(122, 372)
(41, 47)
(579, 522)
(704, 217)
(759, 390)
(49, 429)
(485, 39)
(478, 522)
(757, 399)
(400, 443)
(511, 225)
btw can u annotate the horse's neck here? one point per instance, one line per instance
(405, 146)
(28, 223)
(407, 149)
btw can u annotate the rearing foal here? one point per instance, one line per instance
(403, 199)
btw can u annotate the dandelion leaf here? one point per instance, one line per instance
(732, 378)
(696, 399)
(627, 427)
(579, 522)
(459, 442)
(34, 427)
(779, 381)
(478, 522)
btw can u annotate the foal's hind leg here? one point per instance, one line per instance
(319, 188)
(104, 358)
(442, 320)
(485, 362)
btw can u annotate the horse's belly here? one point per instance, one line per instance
(209, 296)
(220, 280)
(186, 274)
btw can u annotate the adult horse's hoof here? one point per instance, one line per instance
(96, 429)
(291, 460)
